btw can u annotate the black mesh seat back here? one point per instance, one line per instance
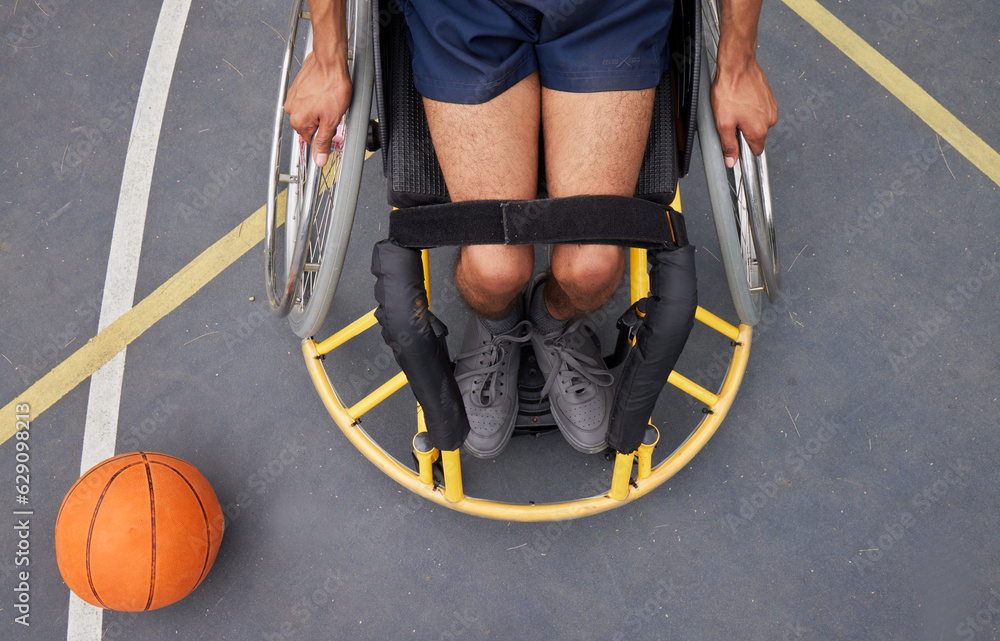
(412, 171)
(658, 175)
(685, 64)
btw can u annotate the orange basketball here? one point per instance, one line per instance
(137, 532)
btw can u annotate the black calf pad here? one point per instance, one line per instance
(417, 339)
(661, 336)
(612, 220)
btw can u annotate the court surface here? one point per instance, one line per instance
(850, 493)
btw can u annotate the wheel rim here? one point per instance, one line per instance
(321, 189)
(738, 187)
(749, 184)
(764, 236)
(323, 181)
(280, 290)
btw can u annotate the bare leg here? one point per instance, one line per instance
(490, 151)
(594, 144)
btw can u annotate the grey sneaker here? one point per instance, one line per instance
(486, 372)
(578, 384)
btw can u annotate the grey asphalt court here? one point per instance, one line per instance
(849, 494)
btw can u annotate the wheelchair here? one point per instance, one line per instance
(316, 209)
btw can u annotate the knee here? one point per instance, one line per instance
(496, 271)
(589, 267)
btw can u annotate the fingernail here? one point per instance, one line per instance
(321, 159)
(730, 162)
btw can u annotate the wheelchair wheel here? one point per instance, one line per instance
(318, 206)
(741, 199)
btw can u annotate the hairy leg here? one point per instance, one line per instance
(594, 144)
(490, 151)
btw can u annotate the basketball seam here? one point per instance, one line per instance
(90, 532)
(152, 529)
(208, 529)
(81, 479)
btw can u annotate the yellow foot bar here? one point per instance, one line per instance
(704, 316)
(691, 388)
(347, 333)
(384, 391)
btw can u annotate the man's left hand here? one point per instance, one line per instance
(742, 99)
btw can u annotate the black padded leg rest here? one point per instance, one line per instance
(417, 339)
(662, 333)
(617, 220)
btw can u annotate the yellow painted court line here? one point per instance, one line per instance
(116, 336)
(900, 85)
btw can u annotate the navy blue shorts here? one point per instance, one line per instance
(470, 51)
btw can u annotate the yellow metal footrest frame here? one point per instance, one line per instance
(624, 489)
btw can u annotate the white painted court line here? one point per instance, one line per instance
(101, 431)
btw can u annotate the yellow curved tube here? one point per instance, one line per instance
(532, 512)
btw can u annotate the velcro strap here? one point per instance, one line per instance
(609, 220)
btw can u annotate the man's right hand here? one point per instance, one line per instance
(316, 101)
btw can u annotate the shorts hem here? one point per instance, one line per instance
(466, 93)
(589, 82)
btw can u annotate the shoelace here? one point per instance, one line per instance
(483, 391)
(583, 370)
